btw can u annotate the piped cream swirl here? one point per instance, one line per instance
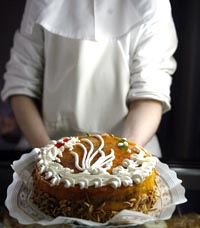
(133, 170)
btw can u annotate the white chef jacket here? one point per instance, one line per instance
(87, 59)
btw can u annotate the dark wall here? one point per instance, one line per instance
(10, 16)
(180, 129)
(179, 132)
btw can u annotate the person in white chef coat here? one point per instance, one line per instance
(96, 66)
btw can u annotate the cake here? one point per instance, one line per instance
(94, 177)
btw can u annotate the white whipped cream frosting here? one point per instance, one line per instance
(132, 171)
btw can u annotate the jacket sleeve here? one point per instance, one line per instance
(152, 62)
(24, 70)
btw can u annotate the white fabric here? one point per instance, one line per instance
(97, 56)
(90, 19)
(83, 80)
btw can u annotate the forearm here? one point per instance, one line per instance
(142, 121)
(29, 120)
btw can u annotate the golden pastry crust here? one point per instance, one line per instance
(95, 203)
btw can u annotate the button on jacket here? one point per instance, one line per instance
(87, 59)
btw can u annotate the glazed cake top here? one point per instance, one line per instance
(94, 160)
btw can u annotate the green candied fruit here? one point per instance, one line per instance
(123, 144)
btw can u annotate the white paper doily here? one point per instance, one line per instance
(21, 207)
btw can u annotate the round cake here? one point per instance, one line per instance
(94, 177)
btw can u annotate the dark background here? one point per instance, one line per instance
(10, 16)
(179, 132)
(11, 12)
(180, 128)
